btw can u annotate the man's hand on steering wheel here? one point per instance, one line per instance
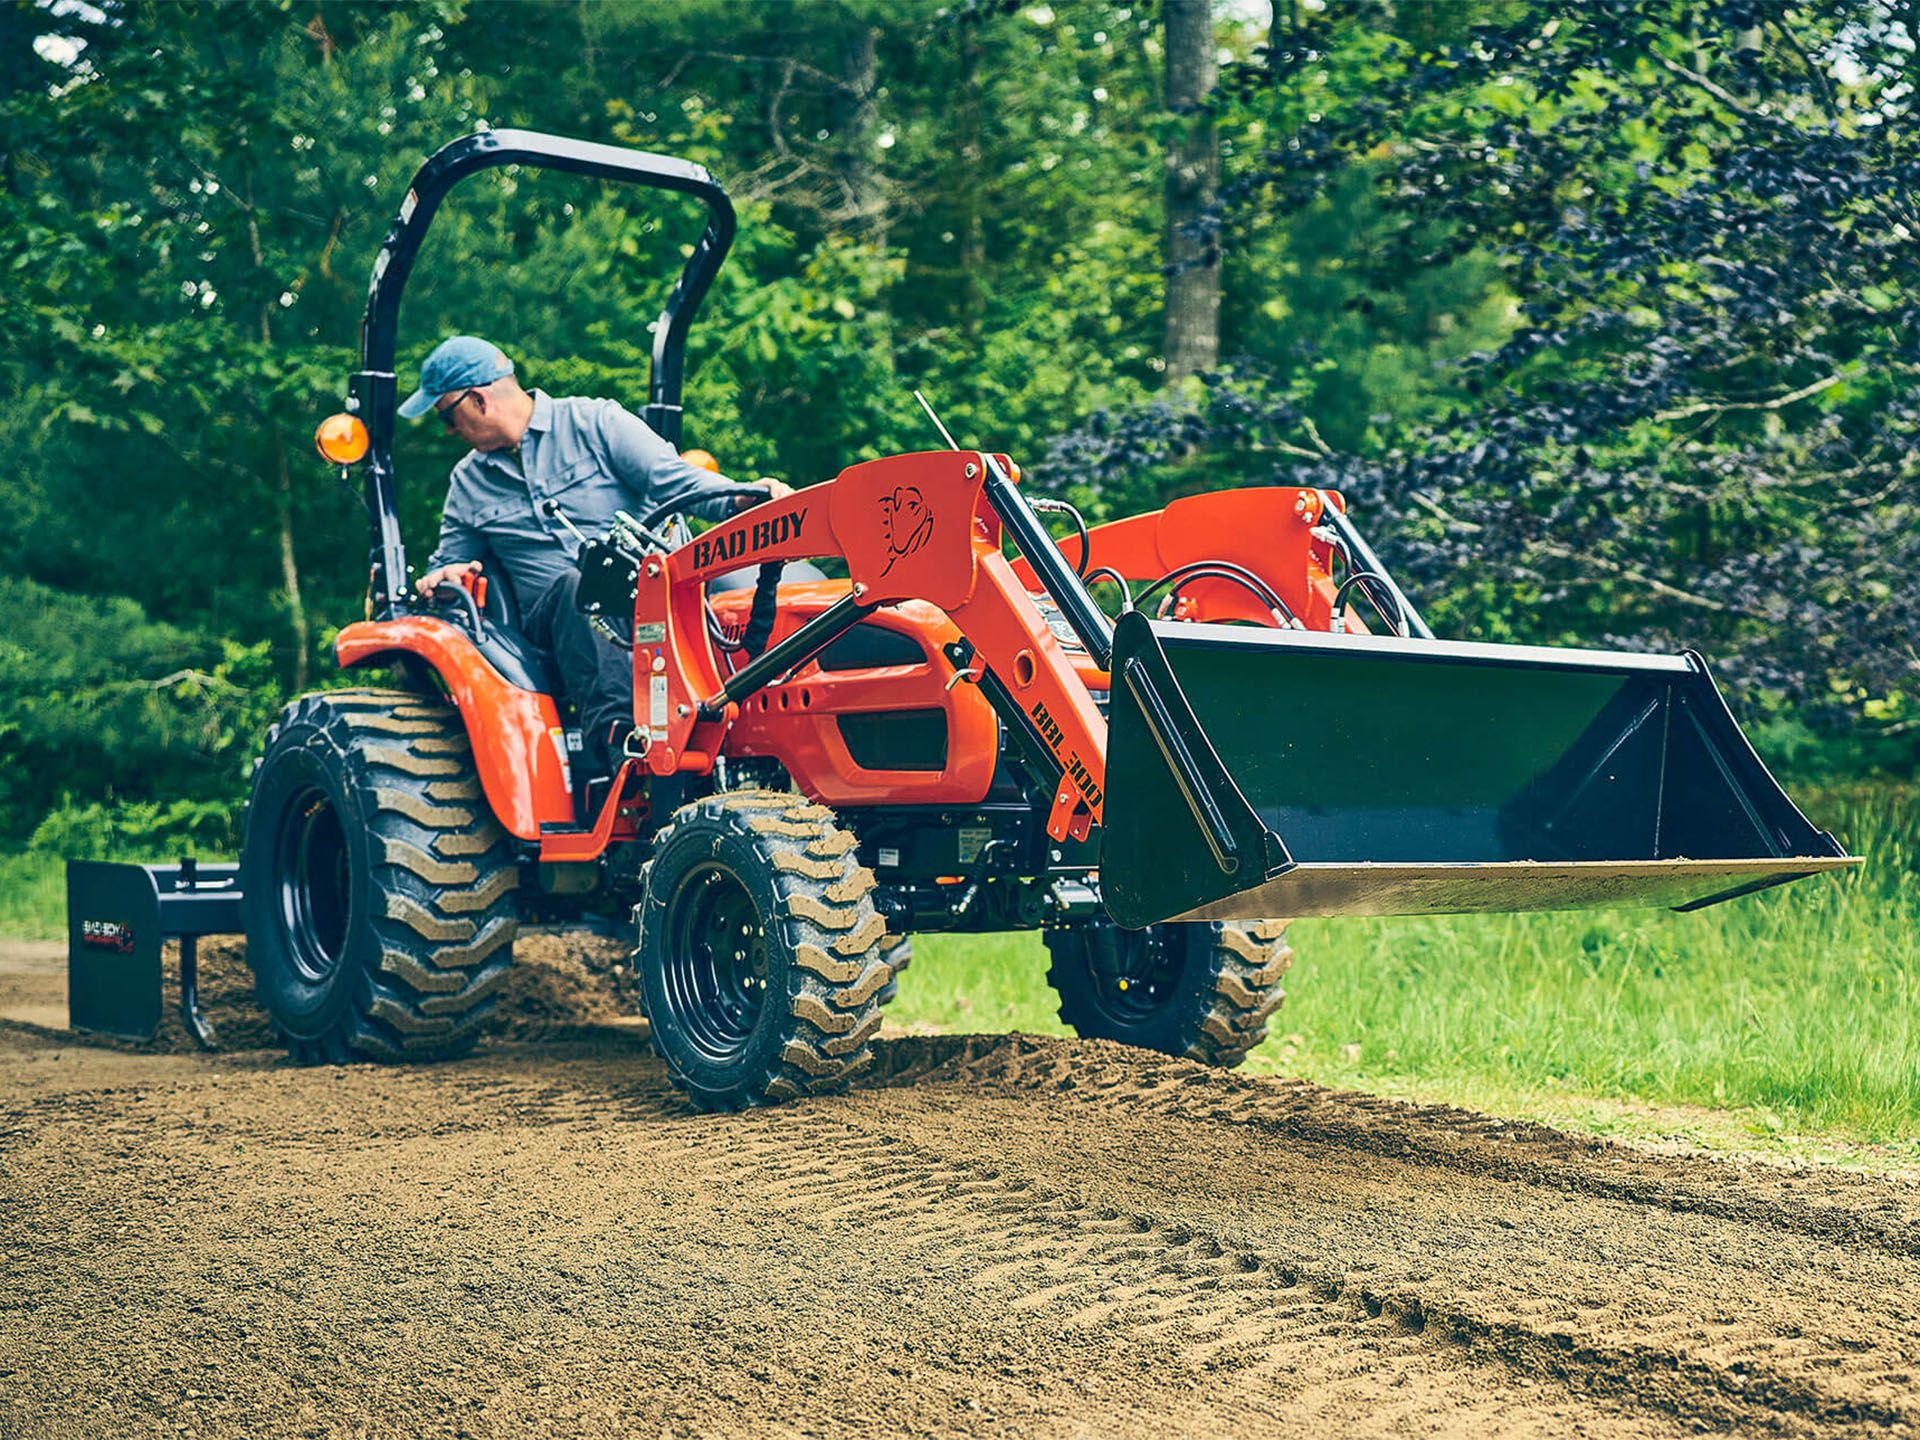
(774, 490)
(452, 574)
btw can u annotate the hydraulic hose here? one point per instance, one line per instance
(1046, 505)
(1373, 585)
(1107, 572)
(1222, 570)
(765, 601)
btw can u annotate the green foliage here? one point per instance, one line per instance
(963, 198)
(1694, 429)
(151, 725)
(33, 897)
(132, 829)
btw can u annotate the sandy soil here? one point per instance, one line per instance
(994, 1236)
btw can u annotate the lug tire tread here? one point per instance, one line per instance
(837, 941)
(1248, 964)
(442, 878)
(1225, 1006)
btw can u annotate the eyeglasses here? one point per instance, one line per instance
(446, 411)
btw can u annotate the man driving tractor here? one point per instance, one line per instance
(589, 458)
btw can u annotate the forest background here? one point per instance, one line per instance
(1601, 314)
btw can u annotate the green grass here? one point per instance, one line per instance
(977, 982)
(1799, 1009)
(33, 897)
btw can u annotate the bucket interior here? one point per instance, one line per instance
(1403, 775)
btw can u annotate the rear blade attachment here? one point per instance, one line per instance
(1359, 775)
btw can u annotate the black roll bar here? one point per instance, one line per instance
(374, 391)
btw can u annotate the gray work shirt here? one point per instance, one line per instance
(592, 456)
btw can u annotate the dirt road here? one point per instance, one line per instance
(991, 1237)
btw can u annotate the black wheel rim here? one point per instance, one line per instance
(313, 879)
(1134, 972)
(715, 970)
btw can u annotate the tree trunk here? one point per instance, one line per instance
(863, 192)
(1747, 51)
(289, 568)
(1907, 12)
(1193, 171)
(283, 473)
(973, 239)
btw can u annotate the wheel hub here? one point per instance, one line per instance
(314, 884)
(1134, 971)
(715, 971)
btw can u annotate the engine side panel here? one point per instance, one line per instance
(838, 711)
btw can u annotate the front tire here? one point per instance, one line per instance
(377, 887)
(761, 956)
(1200, 991)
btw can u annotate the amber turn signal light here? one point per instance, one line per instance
(703, 458)
(341, 440)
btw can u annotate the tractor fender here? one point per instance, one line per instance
(519, 744)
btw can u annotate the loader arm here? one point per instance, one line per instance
(909, 527)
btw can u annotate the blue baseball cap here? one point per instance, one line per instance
(459, 363)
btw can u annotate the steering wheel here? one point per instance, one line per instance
(671, 525)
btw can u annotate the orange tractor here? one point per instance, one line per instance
(946, 739)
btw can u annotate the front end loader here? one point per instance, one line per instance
(949, 734)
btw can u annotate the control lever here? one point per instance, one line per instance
(625, 532)
(552, 509)
(637, 536)
(447, 591)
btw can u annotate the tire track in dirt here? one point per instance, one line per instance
(1833, 1206)
(994, 1236)
(1252, 1328)
(1218, 1292)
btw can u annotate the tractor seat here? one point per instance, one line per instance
(516, 658)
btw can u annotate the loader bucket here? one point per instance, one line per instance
(1275, 773)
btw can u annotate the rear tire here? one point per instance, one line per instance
(761, 956)
(1203, 991)
(377, 887)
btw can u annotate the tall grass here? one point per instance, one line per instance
(1801, 1004)
(33, 897)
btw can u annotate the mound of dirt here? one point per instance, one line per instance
(564, 985)
(226, 999)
